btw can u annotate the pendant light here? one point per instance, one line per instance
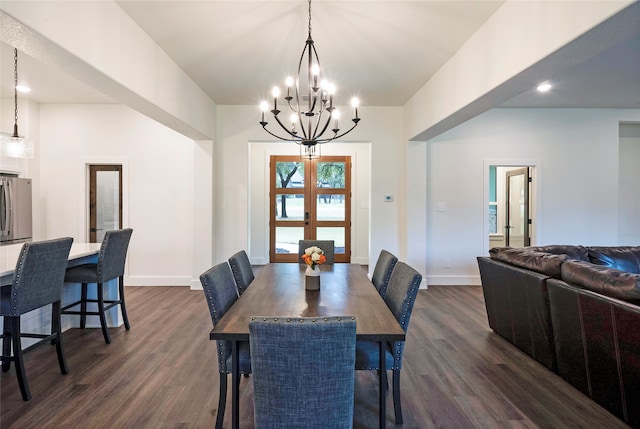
(12, 145)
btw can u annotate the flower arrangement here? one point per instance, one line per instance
(314, 256)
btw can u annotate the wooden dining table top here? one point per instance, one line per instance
(279, 291)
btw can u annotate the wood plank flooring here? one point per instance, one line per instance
(163, 374)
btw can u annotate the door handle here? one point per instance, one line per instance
(306, 218)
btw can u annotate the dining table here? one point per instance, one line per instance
(278, 290)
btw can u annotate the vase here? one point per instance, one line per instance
(312, 278)
(312, 272)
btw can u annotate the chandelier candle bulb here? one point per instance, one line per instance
(289, 83)
(264, 106)
(276, 93)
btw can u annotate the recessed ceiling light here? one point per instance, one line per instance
(23, 88)
(544, 87)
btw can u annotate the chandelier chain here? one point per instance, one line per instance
(15, 83)
(309, 17)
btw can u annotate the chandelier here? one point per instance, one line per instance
(311, 102)
(12, 145)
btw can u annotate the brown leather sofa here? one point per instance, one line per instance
(576, 310)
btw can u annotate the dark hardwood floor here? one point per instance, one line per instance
(163, 374)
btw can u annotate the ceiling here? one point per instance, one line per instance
(380, 51)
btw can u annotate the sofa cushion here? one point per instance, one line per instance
(623, 258)
(579, 253)
(540, 262)
(604, 280)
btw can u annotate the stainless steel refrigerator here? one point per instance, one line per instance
(15, 210)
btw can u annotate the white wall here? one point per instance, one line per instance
(381, 128)
(576, 156)
(158, 184)
(629, 191)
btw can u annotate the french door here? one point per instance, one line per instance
(310, 199)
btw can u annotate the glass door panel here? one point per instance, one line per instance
(289, 174)
(287, 239)
(337, 234)
(289, 207)
(330, 207)
(105, 200)
(330, 174)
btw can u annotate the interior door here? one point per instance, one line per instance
(309, 199)
(517, 208)
(105, 200)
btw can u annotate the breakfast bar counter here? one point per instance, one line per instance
(80, 253)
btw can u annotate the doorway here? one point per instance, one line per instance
(517, 208)
(511, 206)
(105, 200)
(311, 200)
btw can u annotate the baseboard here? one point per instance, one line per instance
(454, 280)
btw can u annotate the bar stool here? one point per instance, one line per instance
(37, 282)
(110, 265)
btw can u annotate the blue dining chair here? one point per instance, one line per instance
(110, 265)
(221, 293)
(382, 272)
(327, 246)
(303, 371)
(242, 271)
(37, 282)
(400, 297)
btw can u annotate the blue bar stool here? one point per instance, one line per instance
(37, 282)
(110, 265)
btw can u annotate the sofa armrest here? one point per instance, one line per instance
(597, 345)
(518, 308)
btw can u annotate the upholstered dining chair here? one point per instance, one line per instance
(303, 371)
(382, 272)
(242, 271)
(327, 246)
(221, 292)
(110, 265)
(37, 282)
(400, 297)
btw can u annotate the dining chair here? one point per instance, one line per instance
(327, 246)
(400, 297)
(303, 371)
(382, 272)
(37, 282)
(242, 271)
(110, 265)
(220, 291)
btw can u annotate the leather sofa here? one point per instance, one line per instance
(576, 310)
